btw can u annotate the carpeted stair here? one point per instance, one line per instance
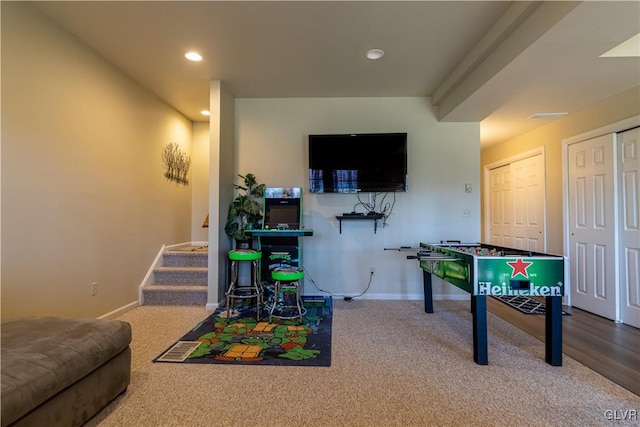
(181, 280)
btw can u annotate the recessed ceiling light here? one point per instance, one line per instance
(205, 113)
(375, 53)
(539, 116)
(193, 56)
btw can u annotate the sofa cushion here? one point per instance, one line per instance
(40, 356)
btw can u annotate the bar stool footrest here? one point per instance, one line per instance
(284, 315)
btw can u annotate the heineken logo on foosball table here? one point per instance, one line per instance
(517, 276)
(519, 267)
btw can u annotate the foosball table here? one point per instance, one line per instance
(486, 270)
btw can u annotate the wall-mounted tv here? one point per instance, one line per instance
(352, 163)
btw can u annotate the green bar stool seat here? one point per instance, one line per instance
(252, 290)
(287, 293)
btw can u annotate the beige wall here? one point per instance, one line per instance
(83, 194)
(199, 181)
(272, 143)
(550, 136)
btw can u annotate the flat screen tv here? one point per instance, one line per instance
(352, 163)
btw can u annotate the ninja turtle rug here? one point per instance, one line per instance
(244, 340)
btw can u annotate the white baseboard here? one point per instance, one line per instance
(147, 278)
(451, 297)
(119, 311)
(411, 297)
(385, 297)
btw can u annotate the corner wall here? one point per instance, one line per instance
(199, 181)
(84, 198)
(221, 176)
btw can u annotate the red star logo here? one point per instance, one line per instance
(519, 267)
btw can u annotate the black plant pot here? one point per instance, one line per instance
(243, 244)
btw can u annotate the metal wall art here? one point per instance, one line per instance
(176, 164)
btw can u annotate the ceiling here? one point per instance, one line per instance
(492, 62)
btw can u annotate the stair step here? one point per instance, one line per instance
(174, 295)
(181, 280)
(185, 259)
(180, 276)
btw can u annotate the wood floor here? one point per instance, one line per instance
(611, 349)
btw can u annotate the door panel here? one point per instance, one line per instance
(580, 279)
(600, 271)
(592, 251)
(629, 160)
(517, 204)
(528, 223)
(500, 202)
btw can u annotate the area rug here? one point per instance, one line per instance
(524, 304)
(243, 340)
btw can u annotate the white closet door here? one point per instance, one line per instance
(592, 226)
(517, 202)
(629, 161)
(501, 206)
(528, 203)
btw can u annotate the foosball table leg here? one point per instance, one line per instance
(553, 330)
(428, 292)
(479, 305)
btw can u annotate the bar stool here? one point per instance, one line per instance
(287, 281)
(237, 291)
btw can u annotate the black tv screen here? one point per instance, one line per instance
(352, 163)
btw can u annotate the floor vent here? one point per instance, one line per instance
(179, 352)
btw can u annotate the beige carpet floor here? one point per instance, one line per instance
(392, 365)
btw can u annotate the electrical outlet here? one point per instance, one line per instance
(94, 288)
(372, 270)
(466, 213)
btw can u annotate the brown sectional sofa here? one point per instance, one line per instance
(61, 372)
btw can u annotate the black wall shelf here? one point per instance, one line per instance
(371, 217)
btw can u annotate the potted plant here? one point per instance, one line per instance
(245, 212)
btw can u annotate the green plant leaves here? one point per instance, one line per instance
(245, 211)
